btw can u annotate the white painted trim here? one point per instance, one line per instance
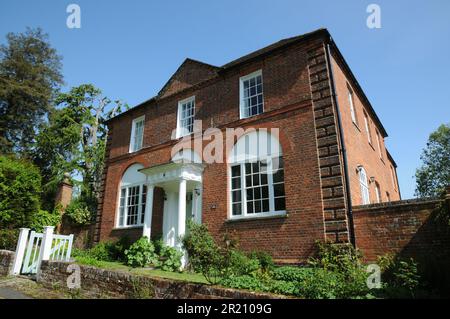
(241, 91)
(180, 103)
(20, 250)
(260, 215)
(133, 131)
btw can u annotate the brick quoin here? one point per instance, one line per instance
(298, 100)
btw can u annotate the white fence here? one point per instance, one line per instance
(33, 248)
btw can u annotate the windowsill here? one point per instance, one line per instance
(127, 227)
(372, 146)
(357, 127)
(248, 117)
(281, 214)
(382, 160)
(181, 136)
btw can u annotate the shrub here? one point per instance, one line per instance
(265, 260)
(20, 188)
(141, 253)
(78, 212)
(43, 218)
(238, 264)
(340, 268)
(401, 276)
(170, 258)
(284, 287)
(292, 274)
(8, 238)
(204, 254)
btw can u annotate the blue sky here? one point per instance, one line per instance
(129, 49)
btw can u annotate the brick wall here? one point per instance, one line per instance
(408, 228)
(101, 283)
(359, 150)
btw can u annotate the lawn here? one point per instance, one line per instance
(118, 266)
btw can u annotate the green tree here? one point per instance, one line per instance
(434, 174)
(30, 76)
(20, 186)
(74, 141)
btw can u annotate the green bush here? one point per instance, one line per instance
(238, 264)
(401, 277)
(170, 258)
(43, 218)
(284, 287)
(204, 254)
(79, 212)
(8, 239)
(291, 274)
(20, 189)
(141, 253)
(265, 260)
(340, 269)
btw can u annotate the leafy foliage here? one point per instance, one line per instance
(73, 141)
(30, 76)
(434, 174)
(170, 258)
(20, 186)
(401, 276)
(8, 238)
(79, 212)
(43, 218)
(204, 254)
(141, 253)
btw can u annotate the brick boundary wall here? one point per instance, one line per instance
(102, 283)
(408, 228)
(330, 161)
(6, 262)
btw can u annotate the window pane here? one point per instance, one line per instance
(265, 205)
(278, 190)
(237, 209)
(236, 183)
(280, 203)
(278, 176)
(249, 207)
(236, 171)
(250, 194)
(258, 208)
(236, 196)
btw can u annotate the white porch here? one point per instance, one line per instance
(182, 185)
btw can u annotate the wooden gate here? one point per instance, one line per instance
(32, 249)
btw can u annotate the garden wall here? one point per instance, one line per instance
(6, 262)
(102, 283)
(409, 228)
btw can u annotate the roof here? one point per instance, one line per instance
(322, 32)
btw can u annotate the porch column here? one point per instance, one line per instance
(147, 229)
(182, 209)
(182, 219)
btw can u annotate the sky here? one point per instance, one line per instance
(129, 49)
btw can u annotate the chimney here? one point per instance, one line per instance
(64, 194)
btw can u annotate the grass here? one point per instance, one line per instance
(118, 266)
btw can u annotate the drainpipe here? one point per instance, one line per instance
(343, 149)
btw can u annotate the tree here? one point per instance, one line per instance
(30, 76)
(20, 186)
(434, 175)
(74, 141)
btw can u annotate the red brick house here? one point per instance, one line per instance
(327, 153)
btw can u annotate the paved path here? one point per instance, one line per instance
(8, 292)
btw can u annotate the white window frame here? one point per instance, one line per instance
(364, 186)
(125, 213)
(380, 152)
(272, 212)
(378, 193)
(352, 105)
(180, 131)
(366, 124)
(241, 93)
(132, 148)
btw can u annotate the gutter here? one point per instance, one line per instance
(343, 149)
